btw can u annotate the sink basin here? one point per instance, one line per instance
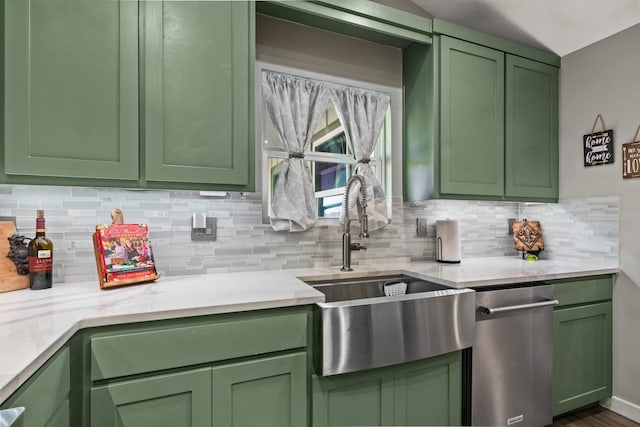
(359, 327)
(370, 287)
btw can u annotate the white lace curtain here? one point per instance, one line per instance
(363, 113)
(295, 106)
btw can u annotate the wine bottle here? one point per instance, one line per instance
(40, 257)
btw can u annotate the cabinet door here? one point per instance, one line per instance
(198, 68)
(357, 399)
(45, 396)
(582, 356)
(429, 392)
(176, 400)
(531, 129)
(471, 119)
(261, 393)
(71, 88)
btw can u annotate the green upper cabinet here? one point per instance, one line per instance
(481, 118)
(71, 89)
(471, 119)
(198, 107)
(531, 129)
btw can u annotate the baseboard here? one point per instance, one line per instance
(622, 407)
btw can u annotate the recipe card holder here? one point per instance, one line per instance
(120, 267)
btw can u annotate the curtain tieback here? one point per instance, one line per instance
(294, 155)
(365, 161)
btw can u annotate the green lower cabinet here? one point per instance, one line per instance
(173, 400)
(427, 392)
(45, 396)
(582, 356)
(358, 399)
(269, 392)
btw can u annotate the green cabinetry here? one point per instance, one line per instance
(531, 125)
(427, 392)
(471, 119)
(198, 87)
(266, 392)
(582, 343)
(71, 89)
(46, 394)
(77, 73)
(182, 400)
(481, 119)
(233, 370)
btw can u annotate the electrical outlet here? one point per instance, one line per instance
(206, 233)
(421, 227)
(510, 222)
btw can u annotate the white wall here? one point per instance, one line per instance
(605, 78)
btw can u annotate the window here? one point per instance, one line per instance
(328, 157)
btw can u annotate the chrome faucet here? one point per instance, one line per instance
(361, 203)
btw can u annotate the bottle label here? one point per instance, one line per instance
(41, 263)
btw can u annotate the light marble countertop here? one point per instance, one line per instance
(35, 324)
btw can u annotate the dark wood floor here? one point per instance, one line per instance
(594, 417)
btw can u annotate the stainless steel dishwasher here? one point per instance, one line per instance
(512, 356)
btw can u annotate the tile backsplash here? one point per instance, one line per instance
(576, 228)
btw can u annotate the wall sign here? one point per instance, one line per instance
(631, 158)
(598, 146)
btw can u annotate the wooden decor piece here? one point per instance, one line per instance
(123, 253)
(527, 236)
(10, 280)
(631, 158)
(598, 146)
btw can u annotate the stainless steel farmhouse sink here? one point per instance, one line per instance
(359, 327)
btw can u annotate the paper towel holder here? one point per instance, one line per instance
(448, 249)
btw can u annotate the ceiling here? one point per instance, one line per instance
(561, 26)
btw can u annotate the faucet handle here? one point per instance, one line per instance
(358, 247)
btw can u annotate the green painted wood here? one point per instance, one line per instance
(178, 400)
(383, 13)
(531, 124)
(45, 394)
(354, 18)
(582, 356)
(71, 89)
(61, 416)
(583, 290)
(356, 399)
(429, 392)
(421, 119)
(267, 392)
(471, 119)
(457, 31)
(198, 70)
(116, 354)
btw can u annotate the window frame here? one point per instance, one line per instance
(381, 161)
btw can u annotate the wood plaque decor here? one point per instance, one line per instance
(631, 158)
(598, 146)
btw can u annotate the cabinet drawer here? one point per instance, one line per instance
(152, 348)
(583, 290)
